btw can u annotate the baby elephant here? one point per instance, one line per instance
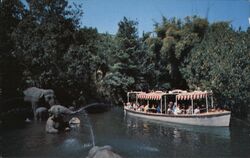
(102, 152)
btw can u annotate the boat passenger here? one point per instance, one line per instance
(170, 104)
(183, 110)
(146, 108)
(169, 111)
(153, 109)
(141, 108)
(177, 110)
(158, 109)
(174, 107)
(134, 106)
(189, 110)
(129, 105)
(197, 110)
(203, 108)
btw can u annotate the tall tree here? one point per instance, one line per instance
(174, 41)
(221, 64)
(124, 69)
(11, 13)
(42, 38)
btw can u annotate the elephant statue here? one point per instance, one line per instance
(102, 152)
(60, 110)
(41, 113)
(37, 96)
(72, 108)
(56, 122)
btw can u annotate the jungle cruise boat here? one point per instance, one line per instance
(177, 106)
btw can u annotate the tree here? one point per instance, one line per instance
(175, 39)
(11, 13)
(221, 64)
(124, 68)
(45, 34)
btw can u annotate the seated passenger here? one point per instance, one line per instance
(174, 107)
(177, 110)
(153, 108)
(141, 108)
(183, 110)
(189, 110)
(129, 105)
(203, 108)
(146, 108)
(134, 106)
(197, 110)
(169, 110)
(170, 104)
(158, 109)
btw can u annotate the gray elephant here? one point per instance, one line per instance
(56, 122)
(41, 113)
(60, 110)
(37, 96)
(102, 152)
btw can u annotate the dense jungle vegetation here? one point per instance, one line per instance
(44, 45)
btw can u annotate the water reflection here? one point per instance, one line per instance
(138, 124)
(173, 140)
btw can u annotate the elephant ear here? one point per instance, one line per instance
(33, 94)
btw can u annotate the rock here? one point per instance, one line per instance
(102, 152)
(27, 120)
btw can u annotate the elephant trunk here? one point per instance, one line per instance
(51, 102)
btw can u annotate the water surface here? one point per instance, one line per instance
(129, 136)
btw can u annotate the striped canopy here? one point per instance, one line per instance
(151, 96)
(192, 95)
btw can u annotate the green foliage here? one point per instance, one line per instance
(44, 46)
(11, 13)
(221, 63)
(174, 41)
(123, 68)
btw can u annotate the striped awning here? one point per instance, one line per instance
(151, 96)
(192, 95)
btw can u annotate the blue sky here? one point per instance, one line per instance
(105, 14)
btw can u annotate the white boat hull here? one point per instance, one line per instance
(219, 119)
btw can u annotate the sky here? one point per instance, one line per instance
(106, 14)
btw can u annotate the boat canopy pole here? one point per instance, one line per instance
(136, 99)
(128, 97)
(212, 101)
(176, 100)
(161, 104)
(165, 103)
(206, 103)
(192, 103)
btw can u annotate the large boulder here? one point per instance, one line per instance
(102, 152)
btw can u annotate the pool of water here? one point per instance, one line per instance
(129, 136)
